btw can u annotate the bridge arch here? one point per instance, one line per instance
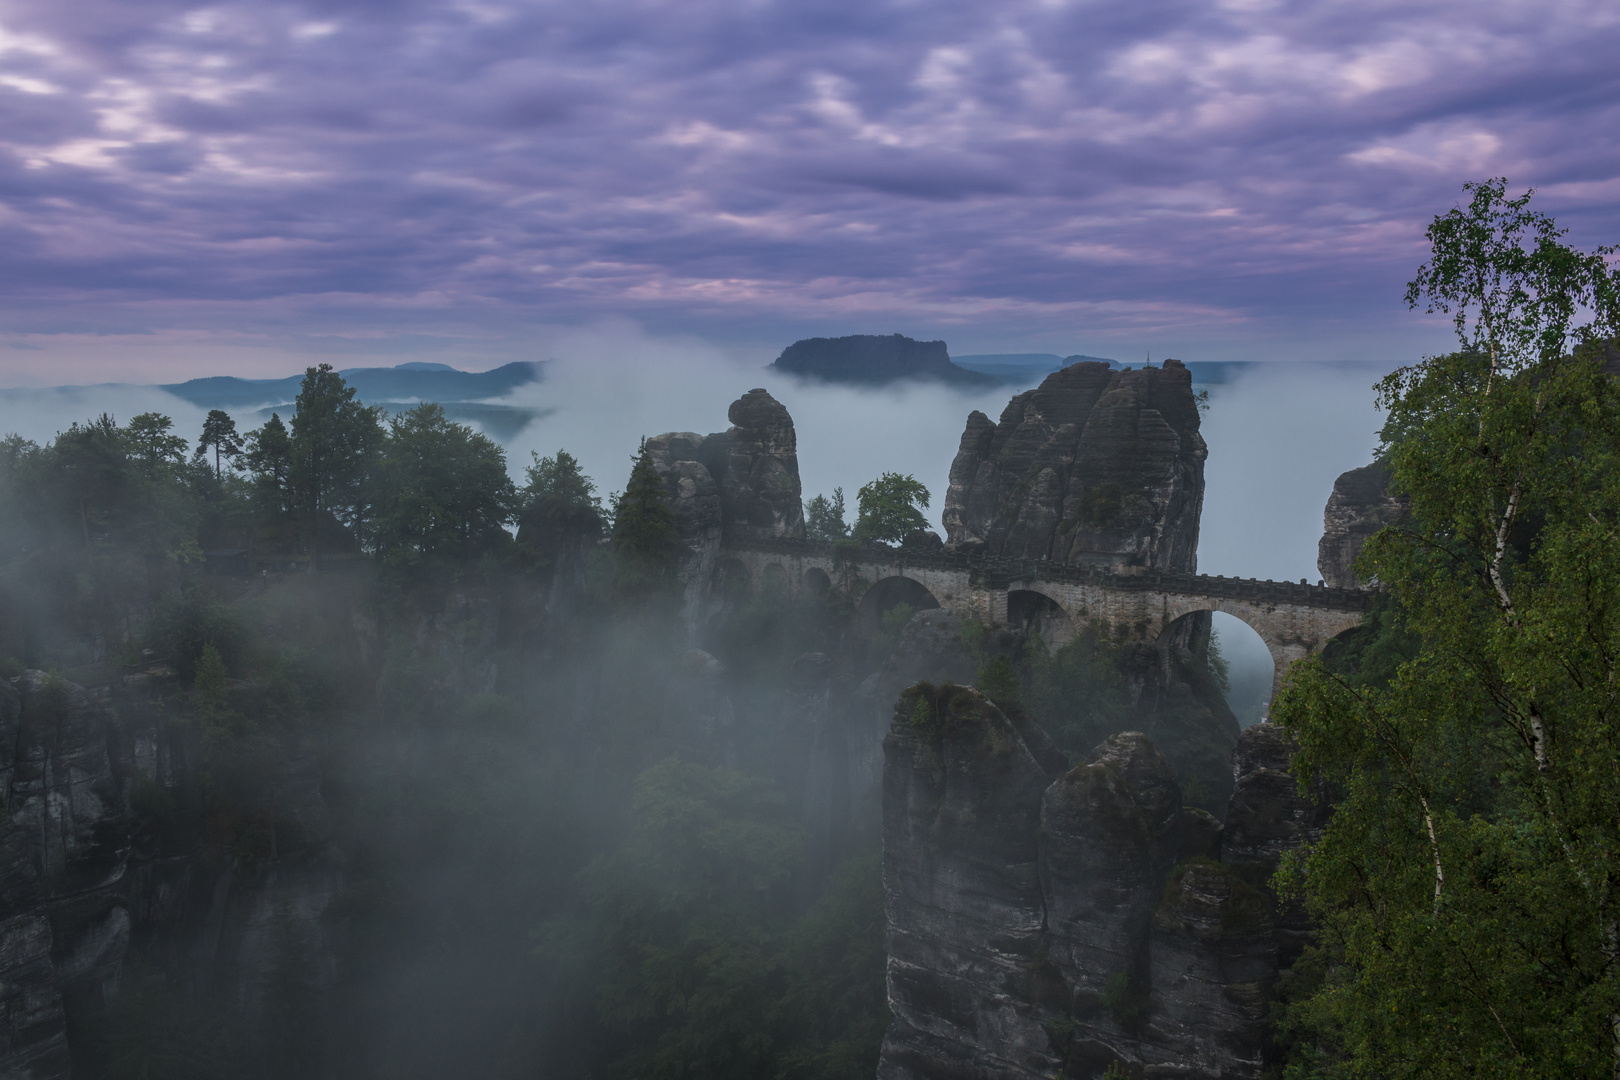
(885, 594)
(1033, 611)
(774, 579)
(816, 581)
(1281, 630)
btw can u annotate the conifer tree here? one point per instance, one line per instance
(646, 547)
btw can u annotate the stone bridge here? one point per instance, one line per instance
(1293, 619)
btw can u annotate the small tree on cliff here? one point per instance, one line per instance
(646, 547)
(1467, 889)
(891, 508)
(824, 518)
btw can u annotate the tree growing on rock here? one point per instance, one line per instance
(646, 547)
(890, 508)
(1467, 888)
(824, 518)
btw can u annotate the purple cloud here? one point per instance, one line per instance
(1218, 179)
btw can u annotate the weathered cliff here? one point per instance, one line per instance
(1146, 941)
(1092, 466)
(738, 484)
(967, 979)
(1360, 505)
(84, 867)
(64, 847)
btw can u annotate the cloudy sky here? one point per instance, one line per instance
(249, 186)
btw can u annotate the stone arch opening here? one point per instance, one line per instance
(1250, 663)
(889, 593)
(1036, 613)
(816, 582)
(774, 580)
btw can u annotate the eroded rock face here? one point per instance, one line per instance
(1360, 505)
(962, 804)
(1160, 942)
(756, 464)
(1093, 466)
(738, 484)
(1110, 831)
(64, 847)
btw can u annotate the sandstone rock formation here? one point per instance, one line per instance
(1360, 505)
(81, 871)
(1146, 942)
(969, 985)
(738, 484)
(873, 358)
(1093, 466)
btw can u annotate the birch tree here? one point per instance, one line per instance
(1465, 891)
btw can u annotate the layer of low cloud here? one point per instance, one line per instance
(1223, 178)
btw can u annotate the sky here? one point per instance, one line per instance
(251, 187)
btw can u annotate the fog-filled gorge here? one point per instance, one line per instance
(408, 776)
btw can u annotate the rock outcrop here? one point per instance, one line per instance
(82, 870)
(1093, 466)
(738, 484)
(1147, 942)
(64, 848)
(968, 983)
(1360, 505)
(866, 359)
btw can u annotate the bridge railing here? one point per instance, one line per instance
(1000, 572)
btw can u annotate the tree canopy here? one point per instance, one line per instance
(890, 508)
(1466, 887)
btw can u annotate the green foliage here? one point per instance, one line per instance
(151, 446)
(335, 440)
(890, 508)
(1077, 693)
(219, 432)
(1513, 289)
(690, 946)
(999, 682)
(268, 456)
(184, 625)
(1466, 885)
(824, 518)
(646, 548)
(834, 1011)
(443, 494)
(558, 487)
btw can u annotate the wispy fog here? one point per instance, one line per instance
(611, 388)
(1278, 437)
(40, 414)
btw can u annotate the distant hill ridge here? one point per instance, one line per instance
(415, 380)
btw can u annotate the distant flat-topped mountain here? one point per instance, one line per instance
(416, 381)
(873, 359)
